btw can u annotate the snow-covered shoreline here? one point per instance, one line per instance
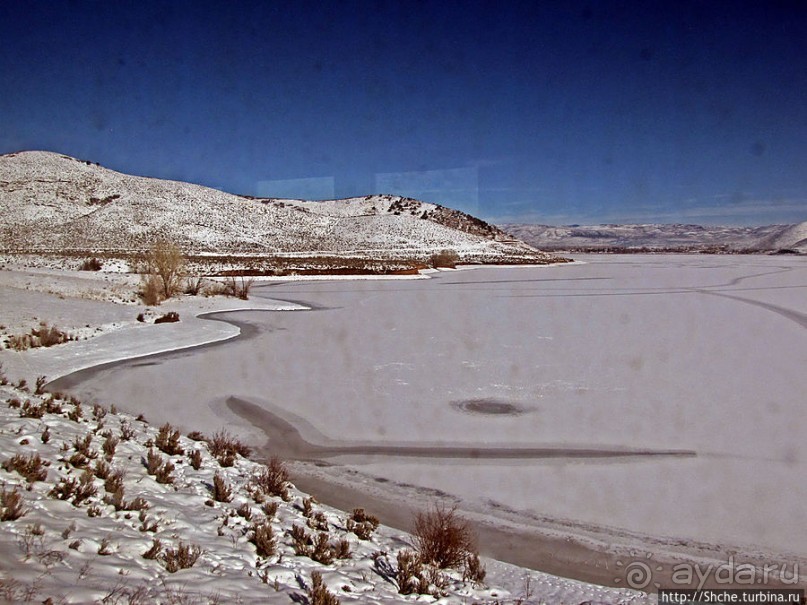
(40, 561)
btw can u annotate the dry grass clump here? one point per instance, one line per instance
(160, 469)
(409, 574)
(239, 286)
(43, 336)
(32, 467)
(224, 447)
(273, 479)
(92, 264)
(362, 524)
(318, 548)
(182, 557)
(196, 459)
(79, 491)
(109, 446)
(318, 593)
(262, 537)
(168, 440)
(222, 492)
(32, 410)
(11, 507)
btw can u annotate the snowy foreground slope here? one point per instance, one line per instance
(55, 203)
(98, 526)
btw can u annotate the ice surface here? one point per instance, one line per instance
(700, 353)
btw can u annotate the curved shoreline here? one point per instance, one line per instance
(566, 556)
(286, 438)
(596, 555)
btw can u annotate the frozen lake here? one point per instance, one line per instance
(660, 395)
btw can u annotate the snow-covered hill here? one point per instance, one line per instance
(793, 237)
(52, 202)
(661, 237)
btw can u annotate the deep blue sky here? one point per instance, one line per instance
(554, 112)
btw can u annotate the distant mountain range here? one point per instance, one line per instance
(654, 237)
(53, 203)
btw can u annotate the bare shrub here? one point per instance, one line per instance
(444, 258)
(11, 507)
(64, 489)
(86, 488)
(155, 550)
(113, 481)
(150, 292)
(103, 548)
(245, 511)
(318, 594)
(409, 574)
(92, 264)
(182, 557)
(168, 440)
(99, 412)
(109, 446)
(273, 479)
(32, 410)
(362, 524)
(262, 537)
(301, 541)
(318, 521)
(153, 462)
(222, 492)
(48, 336)
(102, 470)
(342, 549)
(474, 570)
(443, 538)
(158, 468)
(224, 447)
(76, 413)
(308, 507)
(239, 286)
(126, 432)
(83, 447)
(196, 459)
(32, 467)
(163, 474)
(164, 266)
(40, 385)
(322, 551)
(78, 460)
(270, 509)
(196, 436)
(318, 548)
(193, 285)
(116, 498)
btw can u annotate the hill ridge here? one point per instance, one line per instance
(54, 202)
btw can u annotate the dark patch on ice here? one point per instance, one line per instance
(288, 442)
(490, 406)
